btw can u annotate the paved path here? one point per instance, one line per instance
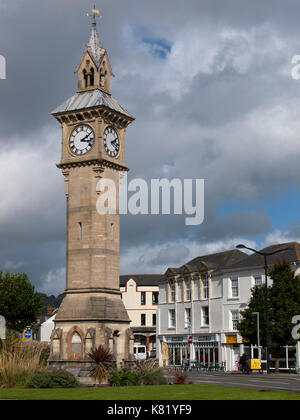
(273, 382)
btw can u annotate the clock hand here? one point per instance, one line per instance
(84, 138)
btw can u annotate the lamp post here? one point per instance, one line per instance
(265, 255)
(258, 340)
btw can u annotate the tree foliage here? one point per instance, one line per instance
(284, 303)
(52, 301)
(19, 303)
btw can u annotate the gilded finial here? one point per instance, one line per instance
(95, 13)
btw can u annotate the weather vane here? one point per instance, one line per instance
(95, 14)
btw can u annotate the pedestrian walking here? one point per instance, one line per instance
(243, 363)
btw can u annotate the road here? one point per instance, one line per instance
(272, 382)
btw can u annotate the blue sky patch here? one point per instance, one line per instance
(283, 209)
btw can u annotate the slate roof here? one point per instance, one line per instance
(90, 99)
(141, 279)
(256, 260)
(217, 261)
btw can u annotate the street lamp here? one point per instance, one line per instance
(265, 255)
(258, 340)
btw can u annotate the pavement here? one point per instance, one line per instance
(272, 382)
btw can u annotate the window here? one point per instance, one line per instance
(196, 288)
(235, 318)
(205, 316)
(179, 290)
(154, 320)
(188, 288)
(187, 317)
(172, 290)
(205, 287)
(257, 281)
(234, 287)
(172, 320)
(143, 298)
(92, 77)
(143, 319)
(76, 343)
(154, 298)
(85, 78)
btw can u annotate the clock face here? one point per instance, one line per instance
(111, 142)
(82, 140)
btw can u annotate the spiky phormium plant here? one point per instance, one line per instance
(104, 361)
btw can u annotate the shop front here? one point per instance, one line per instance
(206, 349)
(203, 349)
(178, 351)
(233, 348)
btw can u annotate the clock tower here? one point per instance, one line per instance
(93, 147)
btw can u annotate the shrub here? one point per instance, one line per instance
(123, 378)
(149, 373)
(180, 378)
(143, 373)
(52, 379)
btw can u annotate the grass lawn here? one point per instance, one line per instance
(160, 393)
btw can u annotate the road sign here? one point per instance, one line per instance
(190, 339)
(27, 334)
(255, 364)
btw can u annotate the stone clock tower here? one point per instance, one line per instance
(93, 146)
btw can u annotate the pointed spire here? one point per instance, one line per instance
(94, 46)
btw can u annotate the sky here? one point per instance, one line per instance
(210, 86)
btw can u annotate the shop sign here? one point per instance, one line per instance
(231, 339)
(176, 339)
(202, 338)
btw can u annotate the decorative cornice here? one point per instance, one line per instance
(105, 113)
(99, 165)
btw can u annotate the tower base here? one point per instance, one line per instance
(83, 322)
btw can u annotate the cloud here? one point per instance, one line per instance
(209, 84)
(156, 259)
(32, 190)
(52, 281)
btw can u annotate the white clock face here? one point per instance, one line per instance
(111, 142)
(82, 140)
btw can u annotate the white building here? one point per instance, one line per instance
(46, 329)
(140, 298)
(203, 300)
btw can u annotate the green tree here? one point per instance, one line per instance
(50, 301)
(19, 303)
(284, 303)
(248, 324)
